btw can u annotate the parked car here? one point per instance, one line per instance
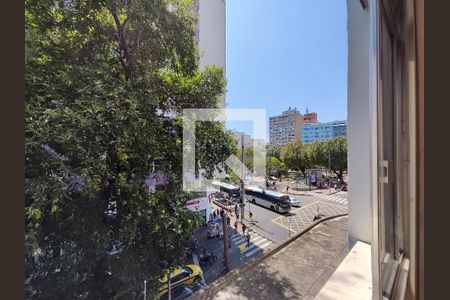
(182, 276)
(294, 202)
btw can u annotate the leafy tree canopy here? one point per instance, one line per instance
(106, 82)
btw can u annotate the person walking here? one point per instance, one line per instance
(228, 220)
(248, 239)
(236, 226)
(243, 228)
(287, 189)
(214, 215)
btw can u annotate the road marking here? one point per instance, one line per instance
(331, 198)
(294, 211)
(260, 248)
(239, 240)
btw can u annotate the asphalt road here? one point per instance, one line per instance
(269, 228)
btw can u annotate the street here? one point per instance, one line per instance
(268, 228)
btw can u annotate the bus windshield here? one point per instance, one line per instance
(284, 201)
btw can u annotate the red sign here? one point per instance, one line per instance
(192, 202)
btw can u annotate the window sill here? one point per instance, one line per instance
(353, 278)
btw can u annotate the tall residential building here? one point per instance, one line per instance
(323, 131)
(211, 34)
(285, 128)
(310, 118)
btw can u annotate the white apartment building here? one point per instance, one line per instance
(285, 128)
(211, 34)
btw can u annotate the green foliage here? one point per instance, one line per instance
(248, 156)
(273, 150)
(333, 153)
(100, 77)
(296, 156)
(274, 166)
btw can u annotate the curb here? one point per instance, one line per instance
(226, 280)
(326, 193)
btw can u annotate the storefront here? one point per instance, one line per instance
(202, 204)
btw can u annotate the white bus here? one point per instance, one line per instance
(273, 200)
(233, 191)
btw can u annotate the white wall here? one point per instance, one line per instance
(358, 131)
(212, 33)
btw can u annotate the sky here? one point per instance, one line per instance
(287, 53)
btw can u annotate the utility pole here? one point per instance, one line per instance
(329, 169)
(169, 287)
(145, 289)
(225, 244)
(242, 180)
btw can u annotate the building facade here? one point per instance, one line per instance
(310, 118)
(211, 34)
(339, 128)
(285, 128)
(323, 131)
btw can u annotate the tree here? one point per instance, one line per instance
(338, 156)
(318, 154)
(296, 156)
(106, 82)
(274, 166)
(248, 157)
(273, 150)
(331, 152)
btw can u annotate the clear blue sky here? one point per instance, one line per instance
(283, 53)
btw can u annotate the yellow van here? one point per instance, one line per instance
(186, 275)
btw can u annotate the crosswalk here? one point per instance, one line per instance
(257, 243)
(333, 198)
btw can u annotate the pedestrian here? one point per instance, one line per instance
(236, 209)
(214, 215)
(250, 214)
(287, 189)
(236, 226)
(248, 239)
(222, 212)
(243, 228)
(228, 220)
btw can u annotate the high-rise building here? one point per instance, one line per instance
(211, 34)
(285, 128)
(310, 118)
(323, 131)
